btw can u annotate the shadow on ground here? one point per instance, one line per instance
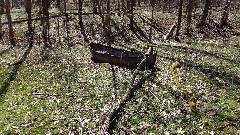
(13, 73)
(6, 50)
(139, 85)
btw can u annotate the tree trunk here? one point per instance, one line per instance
(80, 4)
(123, 5)
(108, 27)
(105, 29)
(10, 28)
(45, 22)
(179, 20)
(152, 2)
(28, 7)
(205, 13)
(1, 32)
(189, 15)
(95, 6)
(131, 12)
(2, 3)
(1, 12)
(224, 19)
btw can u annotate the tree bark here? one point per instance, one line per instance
(95, 8)
(205, 13)
(224, 19)
(80, 4)
(152, 2)
(1, 12)
(1, 32)
(28, 8)
(2, 3)
(179, 20)
(108, 27)
(105, 29)
(10, 28)
(131, 13)
(123, 5)
(189, 15)
(45, 22)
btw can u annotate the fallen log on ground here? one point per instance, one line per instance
(111, 120)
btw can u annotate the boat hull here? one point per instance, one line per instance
(105, 54)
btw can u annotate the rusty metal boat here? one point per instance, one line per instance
(106, 54)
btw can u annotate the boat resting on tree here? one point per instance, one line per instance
(106, 54)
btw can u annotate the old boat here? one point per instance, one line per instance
(107, 54)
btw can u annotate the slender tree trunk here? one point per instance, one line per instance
(105, 29)
(224, 19)
(80, 4)
(95, 8)
(1, 32)
(123, 5)
(45, 22)
(189, 15)
(10, 28)
(179, 19)
(1, 12)
(152, 2)
(132, 14)
(28, 7)
(108, 27)
(2, 3)
(66, 21)
(205, 13)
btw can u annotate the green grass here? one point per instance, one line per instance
(68, 93)
(212, 81)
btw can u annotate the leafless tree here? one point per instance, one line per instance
(1, 12)
(10, 27)
(189, 15)
(28, 8)
(80, 6)
(179, 20)
(205, 13)
(152, 2)
(107, 21)
(45, 22)
(224, 19)
(132, 4)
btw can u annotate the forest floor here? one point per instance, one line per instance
(65, 92)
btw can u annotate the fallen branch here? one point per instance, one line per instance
(111, 120)
(170, 33)
(154, 25)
